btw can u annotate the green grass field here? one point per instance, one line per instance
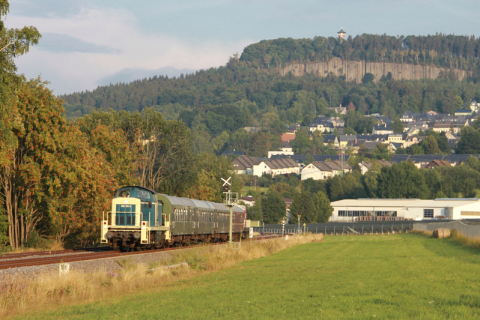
(376, 277)
(245, 190)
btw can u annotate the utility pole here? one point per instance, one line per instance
(230, 200)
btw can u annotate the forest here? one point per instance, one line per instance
(216, 104)
(441, 50)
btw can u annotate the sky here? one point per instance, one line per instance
(87, 43)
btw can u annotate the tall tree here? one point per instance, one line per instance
(304, 206)
(397, 126)
(322, 207)
(273, 207)
(402, 180)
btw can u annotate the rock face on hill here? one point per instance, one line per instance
(356, 70)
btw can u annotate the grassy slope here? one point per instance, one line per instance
(396, 276)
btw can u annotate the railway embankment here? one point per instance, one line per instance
(104, 278)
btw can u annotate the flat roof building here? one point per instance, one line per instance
(405, 209)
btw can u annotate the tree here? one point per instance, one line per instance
(322, 207)
(401, 180)
(13, 43)
(303, 205)
(469, 142)
(397, 126)
(430, 145)
(302, 143)
(273, 207)
(368, 77)
(335, 188)
(255, 212)
(56, 179)
(209, 170)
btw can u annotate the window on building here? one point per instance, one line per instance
(428, 213)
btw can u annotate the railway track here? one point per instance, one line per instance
(27, 259)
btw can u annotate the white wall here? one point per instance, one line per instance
(261, 169)
(412, 213)
(274, 153)
(310, 171)
(470, 211)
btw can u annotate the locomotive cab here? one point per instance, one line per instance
(135, 213)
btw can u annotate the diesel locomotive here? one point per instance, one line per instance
(141, 218)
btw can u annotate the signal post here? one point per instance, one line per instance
(230, 200)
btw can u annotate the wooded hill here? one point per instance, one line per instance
(448, 51)
(243, 93)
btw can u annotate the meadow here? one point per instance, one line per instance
(390, 276)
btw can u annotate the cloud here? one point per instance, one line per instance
(98, 46)
(56, 42)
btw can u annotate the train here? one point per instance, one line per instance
(141, 218)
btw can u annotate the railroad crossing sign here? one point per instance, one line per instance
(227, 182)
(227, 185)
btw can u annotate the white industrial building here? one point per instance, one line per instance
(405, 209)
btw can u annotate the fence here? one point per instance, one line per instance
(467, 230)
(351, 229)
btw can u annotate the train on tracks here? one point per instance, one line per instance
(141, 218)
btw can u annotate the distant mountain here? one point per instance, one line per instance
(130, 75)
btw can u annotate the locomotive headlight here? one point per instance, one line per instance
(136, 235)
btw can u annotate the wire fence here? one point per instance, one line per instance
(351, 229)
(471, 231)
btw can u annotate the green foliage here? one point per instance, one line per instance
(368, 77)
(430, 145)
(304, 206)
(302, 143)
(3, 229)
(469, 142)
(397, 126)
(255, 212)
(323, 209)
(273, 207)
(242, 94)
(402, 180)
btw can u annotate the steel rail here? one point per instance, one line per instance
(17, 263)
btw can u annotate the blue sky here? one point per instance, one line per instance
(88, 43)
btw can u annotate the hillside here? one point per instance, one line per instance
(445, 51)
(284, 81)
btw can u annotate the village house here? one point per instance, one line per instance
(436, 164)
(287, 136)
(322, 170)
(322, 124)
(382, 129)
(286, 149)
(366, 166)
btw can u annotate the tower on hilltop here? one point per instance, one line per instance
(341, 34)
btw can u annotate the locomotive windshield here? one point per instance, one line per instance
(135, 192)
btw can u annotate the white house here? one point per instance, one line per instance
(286, 149)
(405, 209)
(365, 166)
(382, 129)
(275, 167)
(322, 170)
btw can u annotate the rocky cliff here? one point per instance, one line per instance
(355, 70)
